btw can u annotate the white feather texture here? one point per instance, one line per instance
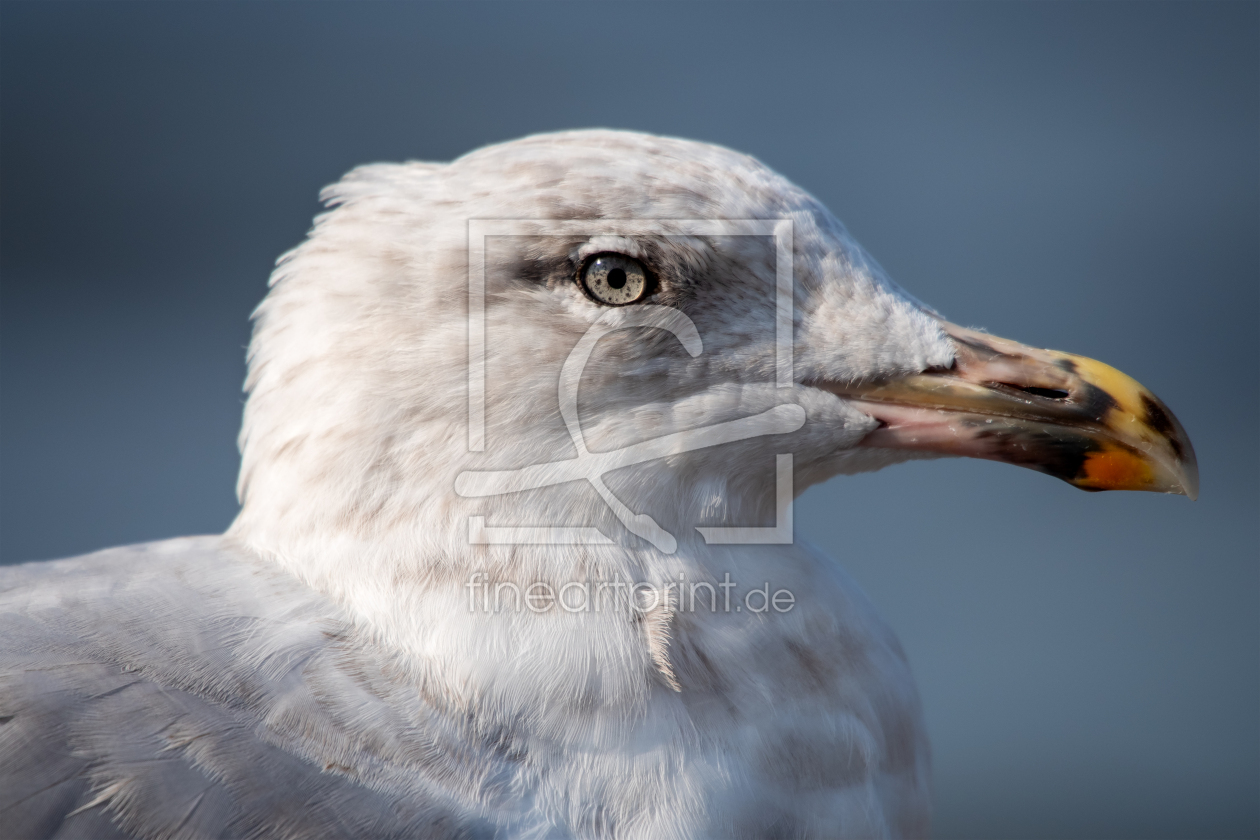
(626, 723)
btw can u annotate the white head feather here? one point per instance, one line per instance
(356, 422)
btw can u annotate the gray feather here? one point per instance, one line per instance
(182, 689)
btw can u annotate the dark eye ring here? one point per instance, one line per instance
(614, 279)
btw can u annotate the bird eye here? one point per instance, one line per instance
(615, 279)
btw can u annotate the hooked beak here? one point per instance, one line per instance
(1068, 416)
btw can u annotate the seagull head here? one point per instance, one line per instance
(604, 328)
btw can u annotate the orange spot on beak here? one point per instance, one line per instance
(1114, 469)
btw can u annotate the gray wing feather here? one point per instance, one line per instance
(185, 690)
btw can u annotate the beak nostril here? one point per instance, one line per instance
(1048, 393)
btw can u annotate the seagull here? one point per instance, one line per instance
(515, 556)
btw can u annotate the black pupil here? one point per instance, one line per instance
(616, 278)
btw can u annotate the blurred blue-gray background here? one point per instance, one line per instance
(1083, 177)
